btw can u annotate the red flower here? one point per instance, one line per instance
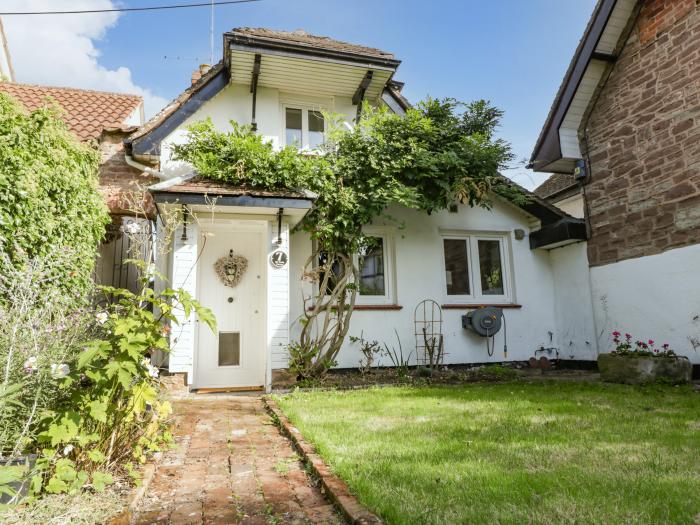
(616, 333)
(651, 341)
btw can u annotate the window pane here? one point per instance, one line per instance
(229, 348)
(372, 269)
(456, 266)
(316, 129)
(293, 127)
(336, 271)
(490, 267)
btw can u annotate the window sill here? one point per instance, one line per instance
(475, 306)
(378, 307)
(375, 307)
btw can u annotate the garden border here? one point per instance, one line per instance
(335, 489)
(125, 516)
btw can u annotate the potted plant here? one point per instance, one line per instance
(642, 362)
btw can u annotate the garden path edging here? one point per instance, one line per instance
(125, 516)
(336, 490)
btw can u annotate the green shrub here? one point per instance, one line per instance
(106, 414)
(49, 199)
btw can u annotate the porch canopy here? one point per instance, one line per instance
(201, 194)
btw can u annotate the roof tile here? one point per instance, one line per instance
(320, 42)
(86, 113)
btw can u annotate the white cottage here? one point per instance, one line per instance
(280, 82)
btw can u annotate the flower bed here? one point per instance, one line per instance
(641, 362)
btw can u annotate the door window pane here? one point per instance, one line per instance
(456, 266)
(293, 127)
(229, 348)
(372, 269)
(316, 129)
(490, 267)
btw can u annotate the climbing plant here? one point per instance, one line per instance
(49, 200)
(439, 153)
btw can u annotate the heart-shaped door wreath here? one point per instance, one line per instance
(231, 268)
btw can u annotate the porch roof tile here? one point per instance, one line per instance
(202, 186)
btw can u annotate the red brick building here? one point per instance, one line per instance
(624, 133)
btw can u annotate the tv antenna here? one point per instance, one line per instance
(211, 36)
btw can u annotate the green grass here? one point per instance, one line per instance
(543, 452)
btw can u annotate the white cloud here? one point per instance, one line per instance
(62, 50)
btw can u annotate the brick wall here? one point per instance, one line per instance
(122, 185)
(643, 139)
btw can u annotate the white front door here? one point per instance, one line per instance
(235, 355)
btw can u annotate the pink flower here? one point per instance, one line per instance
(628, 336)
(665, 346)
(651, 341)
(616, 333)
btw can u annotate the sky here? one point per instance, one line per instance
(511, 52)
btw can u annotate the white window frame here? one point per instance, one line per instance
(476, 296)
(389, 297)
(305, 108)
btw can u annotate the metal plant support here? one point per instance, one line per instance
(427, 320)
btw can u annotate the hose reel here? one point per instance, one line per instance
(486, 322)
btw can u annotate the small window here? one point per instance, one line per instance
(293, 127)
(229, 349)
(316, 129)
(476, 269)
(456, 266)
(371, 266)
(374, 265)
(304, 128)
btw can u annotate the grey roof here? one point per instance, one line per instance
(556, 185)
(305, 39)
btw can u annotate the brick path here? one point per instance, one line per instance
(232, 466)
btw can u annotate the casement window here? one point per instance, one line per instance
(375, 271)
(375, 266)
(477, 268)
(304, 128)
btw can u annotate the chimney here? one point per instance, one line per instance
(199, 73)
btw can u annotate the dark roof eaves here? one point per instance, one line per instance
(307, 49)
(548, 139)
(146, 140)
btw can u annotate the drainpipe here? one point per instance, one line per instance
(151, 171)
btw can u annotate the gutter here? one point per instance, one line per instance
(151, 171)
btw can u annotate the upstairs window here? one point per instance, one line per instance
(304, 128)
(477, 268)
(293, 135)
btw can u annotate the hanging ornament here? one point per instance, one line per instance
(231, 268)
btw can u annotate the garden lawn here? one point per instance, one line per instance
(542, 452)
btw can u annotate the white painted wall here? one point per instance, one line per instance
(184, 275)
(419, 273)
(573, 205)
(654, 297)
(235, 103)
(574, 333)
(277, 299)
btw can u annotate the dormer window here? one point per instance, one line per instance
(304, 128)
